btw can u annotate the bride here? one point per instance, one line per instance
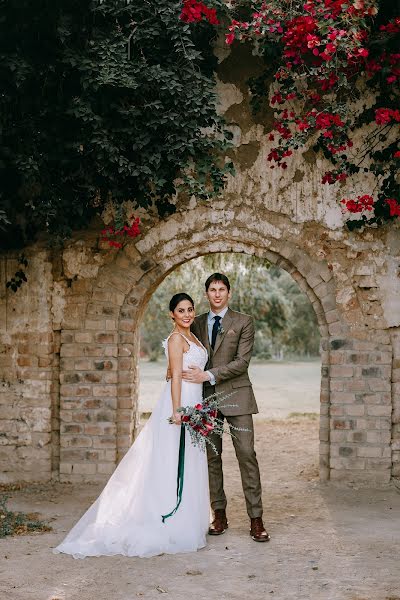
(127, 516)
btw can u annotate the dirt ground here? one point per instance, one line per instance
(328, 543)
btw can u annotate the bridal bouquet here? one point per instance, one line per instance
(201, 420)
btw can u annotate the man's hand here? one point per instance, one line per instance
(195, 375)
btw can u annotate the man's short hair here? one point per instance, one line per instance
(218, 277)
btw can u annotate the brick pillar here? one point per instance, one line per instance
(396, 403)
(28, 370)
(360, 409)
(88, 403)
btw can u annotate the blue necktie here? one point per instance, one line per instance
(214, 332)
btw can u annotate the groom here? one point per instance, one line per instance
(229, 339)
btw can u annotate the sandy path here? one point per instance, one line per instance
(327, 543)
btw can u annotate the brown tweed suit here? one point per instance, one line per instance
(229, 362)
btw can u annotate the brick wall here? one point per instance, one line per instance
(70, 344)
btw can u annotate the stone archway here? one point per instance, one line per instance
(354, 424)
(276, 259)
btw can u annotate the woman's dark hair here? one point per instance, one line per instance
(218, 277)
(176, 298)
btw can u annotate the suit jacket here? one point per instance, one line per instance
(229, 361)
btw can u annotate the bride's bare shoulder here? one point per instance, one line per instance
(176, 341)
(174, 338)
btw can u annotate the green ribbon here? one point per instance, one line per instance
(181, 471)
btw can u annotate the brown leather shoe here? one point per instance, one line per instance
(220, 523)
(257, 530)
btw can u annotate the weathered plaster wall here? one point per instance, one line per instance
(69, 336)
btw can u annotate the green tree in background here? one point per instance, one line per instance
(285, 321)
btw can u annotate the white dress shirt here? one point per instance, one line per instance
(210, 324)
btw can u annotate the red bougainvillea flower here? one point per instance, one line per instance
(328, 178)
(329, 82)
(392, 27)
(277, 98)
(386, 115)
(333, 176)
(194, 11)
(341, 176)
(361, 204)
(394, 207)
(324, 120)
(109, 233)
(132, 230)
(313, 41)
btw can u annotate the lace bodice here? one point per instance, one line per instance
(196, 355)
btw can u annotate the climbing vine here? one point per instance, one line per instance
(328, 61)
(19, 276)
(103, 102)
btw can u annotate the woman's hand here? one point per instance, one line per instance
(176, 418)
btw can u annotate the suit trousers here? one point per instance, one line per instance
(243, 442)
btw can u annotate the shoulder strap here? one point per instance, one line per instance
(181, 334)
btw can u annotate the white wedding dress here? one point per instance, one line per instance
(127, 516)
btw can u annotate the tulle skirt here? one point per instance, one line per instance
(127, 516)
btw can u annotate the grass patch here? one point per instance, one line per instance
(303, 415)
(14, 487)
(18, 523)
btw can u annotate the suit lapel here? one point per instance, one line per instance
(225, 324)
(203, 331)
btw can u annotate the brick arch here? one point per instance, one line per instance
(121, 293)
(321, 297)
